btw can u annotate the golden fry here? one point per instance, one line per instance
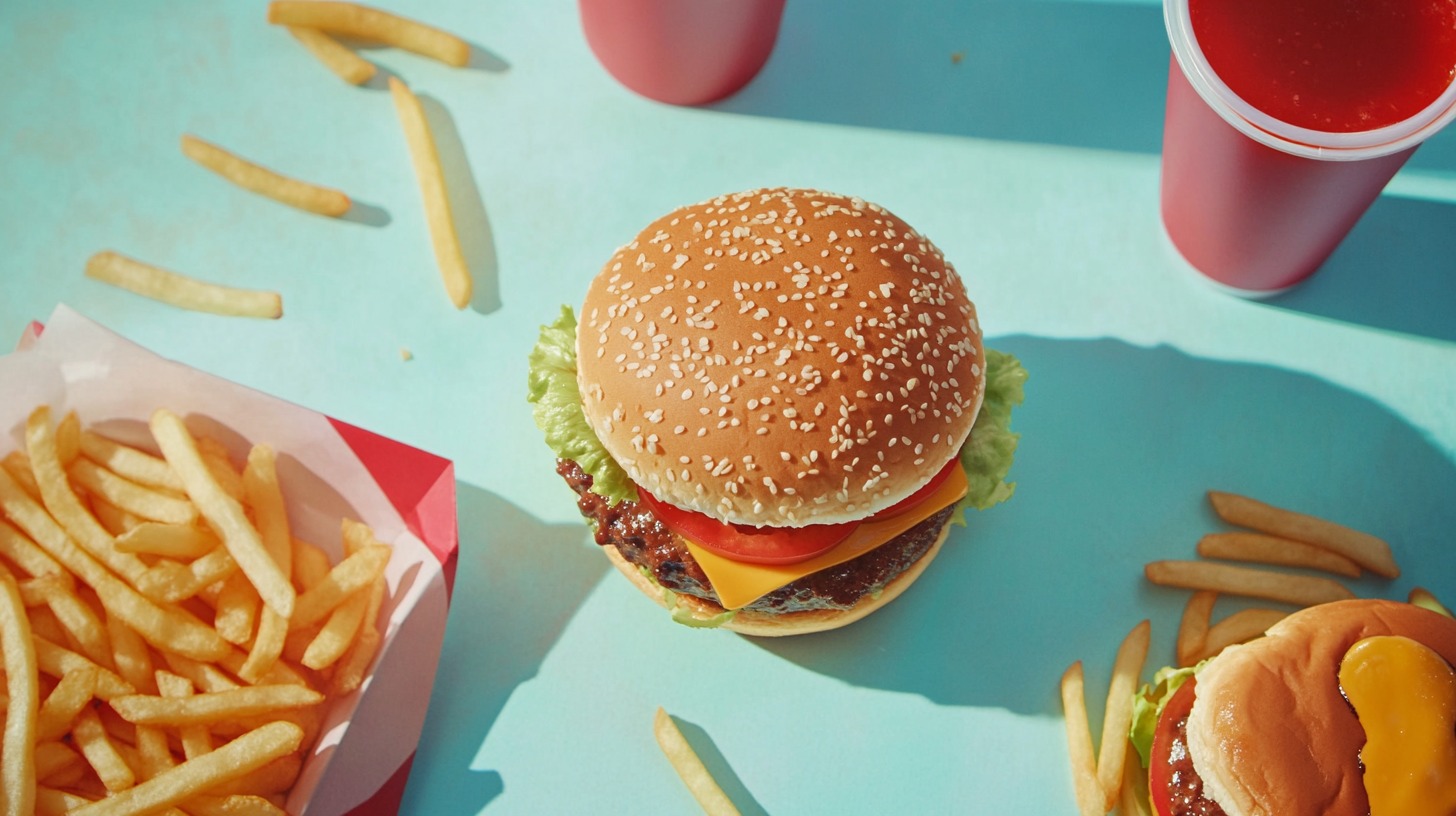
(258, 179)
(335, 56)
(1079, 743)
(132, 463)
(127, 495)
(1193, 629)
(249, 752)
(1240, 627)
(1117, 717)
(690, 767)
(431, 177)
(180, 290)
(1266, 549)
(349, 576)
(1364, 549)
(365, 23)
(1300, 590)
(90, 736)
(222, 512)
(210, 707)
(22, 688)
(179, 541)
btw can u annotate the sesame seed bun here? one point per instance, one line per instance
(780, 624)
(1270, 731)
(780, 357)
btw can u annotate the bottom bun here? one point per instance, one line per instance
(779, 624)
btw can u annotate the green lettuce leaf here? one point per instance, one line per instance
(1148, 703)
(556, 407)
(991, 447)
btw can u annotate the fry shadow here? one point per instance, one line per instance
(369, 215)
(718, 766)
(509, 608)
(1119, 445)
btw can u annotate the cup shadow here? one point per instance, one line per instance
(1119, 446)
(509, 607)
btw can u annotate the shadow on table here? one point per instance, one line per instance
(1119, 445)
(509, 607)
(1396, 271)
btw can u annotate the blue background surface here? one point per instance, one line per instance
(1021, 135)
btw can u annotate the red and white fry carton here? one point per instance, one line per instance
(328, 470)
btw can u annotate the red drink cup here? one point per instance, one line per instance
(683, 52)
(1254, 202)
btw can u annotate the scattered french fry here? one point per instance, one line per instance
(431, 178)
(1364, 549)
(22, 689)
(1230, 579)
(1085, 782)
(258, 179)
(1262, 548)
(1117, 716)
(365, 23)
(1239, 627)
(182, 291)
(334, 55)
(1193, 628)
(1423, 597)
(690, 767)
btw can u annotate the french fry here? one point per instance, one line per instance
(310, 565)
(196, 739)
(164, 627)
(1193, 628)
(258, 179)
(338, 633)
(96, 746)
(1134, 798)
(62, 503)
(26, 554)
(132, 463)
(17, 464)
(350, 671)
(237, 609)
(335, 56)
(222, 512)
(1229, 579)
(1239, 627)
(182, 291)
(115, 520)
(154, 753)
(365, 23)
(56, 763)
(689, 766)
(1266, 549)
(127, 495)
(349, 576)
(68, 438)
(53, 802)
(1117, 716)
(220, 464)
(1079, 743)
(263, 492)
(1423, 597)
(130, 656)
(210, 707)
(1364, 549)
(22, 689)
(58, 661)
(66, 700)
(431, 177)
(249, 752)
(78, 619)
(235, 805)
(178, 541)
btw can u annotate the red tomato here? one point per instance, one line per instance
(1160, 773)
(743, 542)
(920, 495)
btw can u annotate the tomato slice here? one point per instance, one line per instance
(920, 495)
(744, 542)
(1160, 772)
(775, 545)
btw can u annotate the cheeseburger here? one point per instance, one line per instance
(773, 406)
(1344, 709)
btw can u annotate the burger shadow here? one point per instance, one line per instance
(508, 596)
(1119, 446)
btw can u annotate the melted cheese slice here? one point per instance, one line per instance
(739, 584)
(1405, 697)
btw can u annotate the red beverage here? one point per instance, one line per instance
(1330, 65)
(1286, 119)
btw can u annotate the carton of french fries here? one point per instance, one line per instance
(211, 600)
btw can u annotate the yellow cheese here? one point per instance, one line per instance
(739, 584)
(1405, 697)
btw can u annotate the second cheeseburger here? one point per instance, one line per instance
(773, 407)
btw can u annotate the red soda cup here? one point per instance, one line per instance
(683, 52)
(1257, 200)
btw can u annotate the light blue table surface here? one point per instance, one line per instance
(1032, 161)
